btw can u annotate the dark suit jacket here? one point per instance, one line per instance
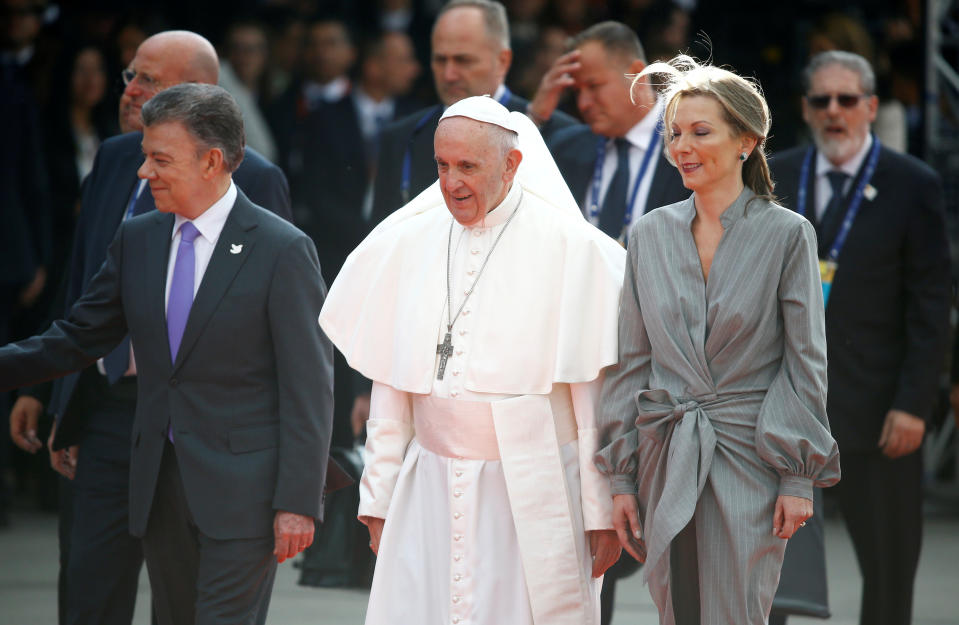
(574, 150)
(887, 319)
(400, 136)
(104, 202)
(249, 397)
(330, 191)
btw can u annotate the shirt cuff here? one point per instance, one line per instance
(622, 485)
(796, 486)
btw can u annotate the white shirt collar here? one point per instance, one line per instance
(369, 111)
(644, 133)
(210, 223)
(851, 167)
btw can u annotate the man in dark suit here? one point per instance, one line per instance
(615, 166)
(234, 398)
(95, 408)
(470, 56)
(880, 220)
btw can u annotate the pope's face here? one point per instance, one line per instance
(839, 131)
(174, 167)
(474, 173)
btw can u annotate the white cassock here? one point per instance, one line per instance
(478, 475)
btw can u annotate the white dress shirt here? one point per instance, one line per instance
(210, 225)
(823, 167)
(372, 114)
(641, 137)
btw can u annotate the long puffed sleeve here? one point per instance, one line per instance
(388, 434)
(597, 501)
(792, 432)
(618, 437)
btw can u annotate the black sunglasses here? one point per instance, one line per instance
(846, 100)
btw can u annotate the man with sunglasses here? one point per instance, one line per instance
(884, 261)
(90, 445)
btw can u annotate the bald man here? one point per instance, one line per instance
(90, 443)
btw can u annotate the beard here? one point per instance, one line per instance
(838, 149)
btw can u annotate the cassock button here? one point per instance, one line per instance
(466, 312)
(459, 352)
(456, 598)
(457, 538)
(459, 474)
(466, 291)
(456, 619)
(477, 233)
(462, 332)
(471, 272)
(457, 557)
(456, 372)
(474, 252)
(454, 393)
(457, 577)
(457, 493)
(457, 515)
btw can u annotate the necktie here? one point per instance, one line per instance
(614, 204)
(834, 212)
(181, 288)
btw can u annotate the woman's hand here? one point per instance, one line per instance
(375, 525)
(791, 514)
(628, 529)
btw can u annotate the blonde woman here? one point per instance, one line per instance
(715, 419)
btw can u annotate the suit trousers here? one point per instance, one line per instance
(102, 564)
(196, 579)
(881, 502)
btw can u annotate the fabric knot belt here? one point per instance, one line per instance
(687, 442)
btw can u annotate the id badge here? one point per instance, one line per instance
(827, 271)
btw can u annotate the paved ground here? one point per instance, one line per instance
(28, 556)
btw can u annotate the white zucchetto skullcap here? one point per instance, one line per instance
(482, 108)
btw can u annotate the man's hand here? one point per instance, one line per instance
(791, 513)
(292, 533)
(605, 548)
(32, 291)
(360, 414)
(24, 418)
(375, 525)
(628, 529)
(551, 87)
(63, 461)
(902, 434)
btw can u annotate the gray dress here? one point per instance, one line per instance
(718, 404)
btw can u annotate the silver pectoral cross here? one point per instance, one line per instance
(445, 350)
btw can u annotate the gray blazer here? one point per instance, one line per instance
(249, 397)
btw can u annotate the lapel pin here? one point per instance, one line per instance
(236, 249)
(869, 192)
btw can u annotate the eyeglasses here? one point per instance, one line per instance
(845, 100)
(146, 81)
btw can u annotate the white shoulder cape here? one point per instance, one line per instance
(546, 304)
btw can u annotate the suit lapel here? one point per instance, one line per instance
(232, 249)
(156, 258)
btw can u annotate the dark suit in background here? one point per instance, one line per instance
(100, 562)
(574, 150)
(248, 398)
(414, 134)
(886, 329)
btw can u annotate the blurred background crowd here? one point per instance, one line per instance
(293, 64)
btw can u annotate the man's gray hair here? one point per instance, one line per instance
(208, 112)
(615, 37)
(503, 138)
(848, 60)
(494, 16)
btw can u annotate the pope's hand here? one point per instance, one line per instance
(292, 533)
(24, 418)
(628, 529)
(605, 549)
(375, 525)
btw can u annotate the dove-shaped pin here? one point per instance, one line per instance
(236, 248)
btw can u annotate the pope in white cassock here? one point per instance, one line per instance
(484, 311)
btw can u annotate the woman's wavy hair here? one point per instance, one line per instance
(742, 102)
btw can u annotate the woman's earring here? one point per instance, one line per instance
(743, 156)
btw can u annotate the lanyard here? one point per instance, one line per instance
(854, 204)
(408, 156)
(598, 175)
(137, 190)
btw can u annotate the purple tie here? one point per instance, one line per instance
(181, 288)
